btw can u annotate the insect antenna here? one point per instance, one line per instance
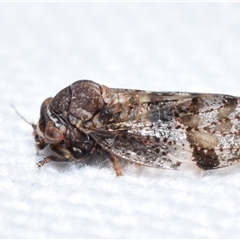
(34, 126)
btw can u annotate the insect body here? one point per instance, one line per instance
(157, 129)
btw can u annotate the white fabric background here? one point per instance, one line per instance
(154, 46)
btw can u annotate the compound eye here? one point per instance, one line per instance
(52, 134)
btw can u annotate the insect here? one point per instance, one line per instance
(156, 129)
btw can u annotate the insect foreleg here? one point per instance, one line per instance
(64, 155)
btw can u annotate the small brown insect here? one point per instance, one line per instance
(157, 129)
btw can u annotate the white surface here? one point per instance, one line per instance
(155, 46)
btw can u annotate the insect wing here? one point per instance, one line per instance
(164, 130)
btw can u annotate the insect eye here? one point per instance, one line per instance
(52, 134)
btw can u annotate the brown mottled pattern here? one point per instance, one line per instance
(157, 129)
(86, 99)
(61, 101)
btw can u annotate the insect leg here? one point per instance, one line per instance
(116, 164)
(64, 155)
(45, 160)
(62, 151)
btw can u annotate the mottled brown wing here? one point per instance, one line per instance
(164, 130)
